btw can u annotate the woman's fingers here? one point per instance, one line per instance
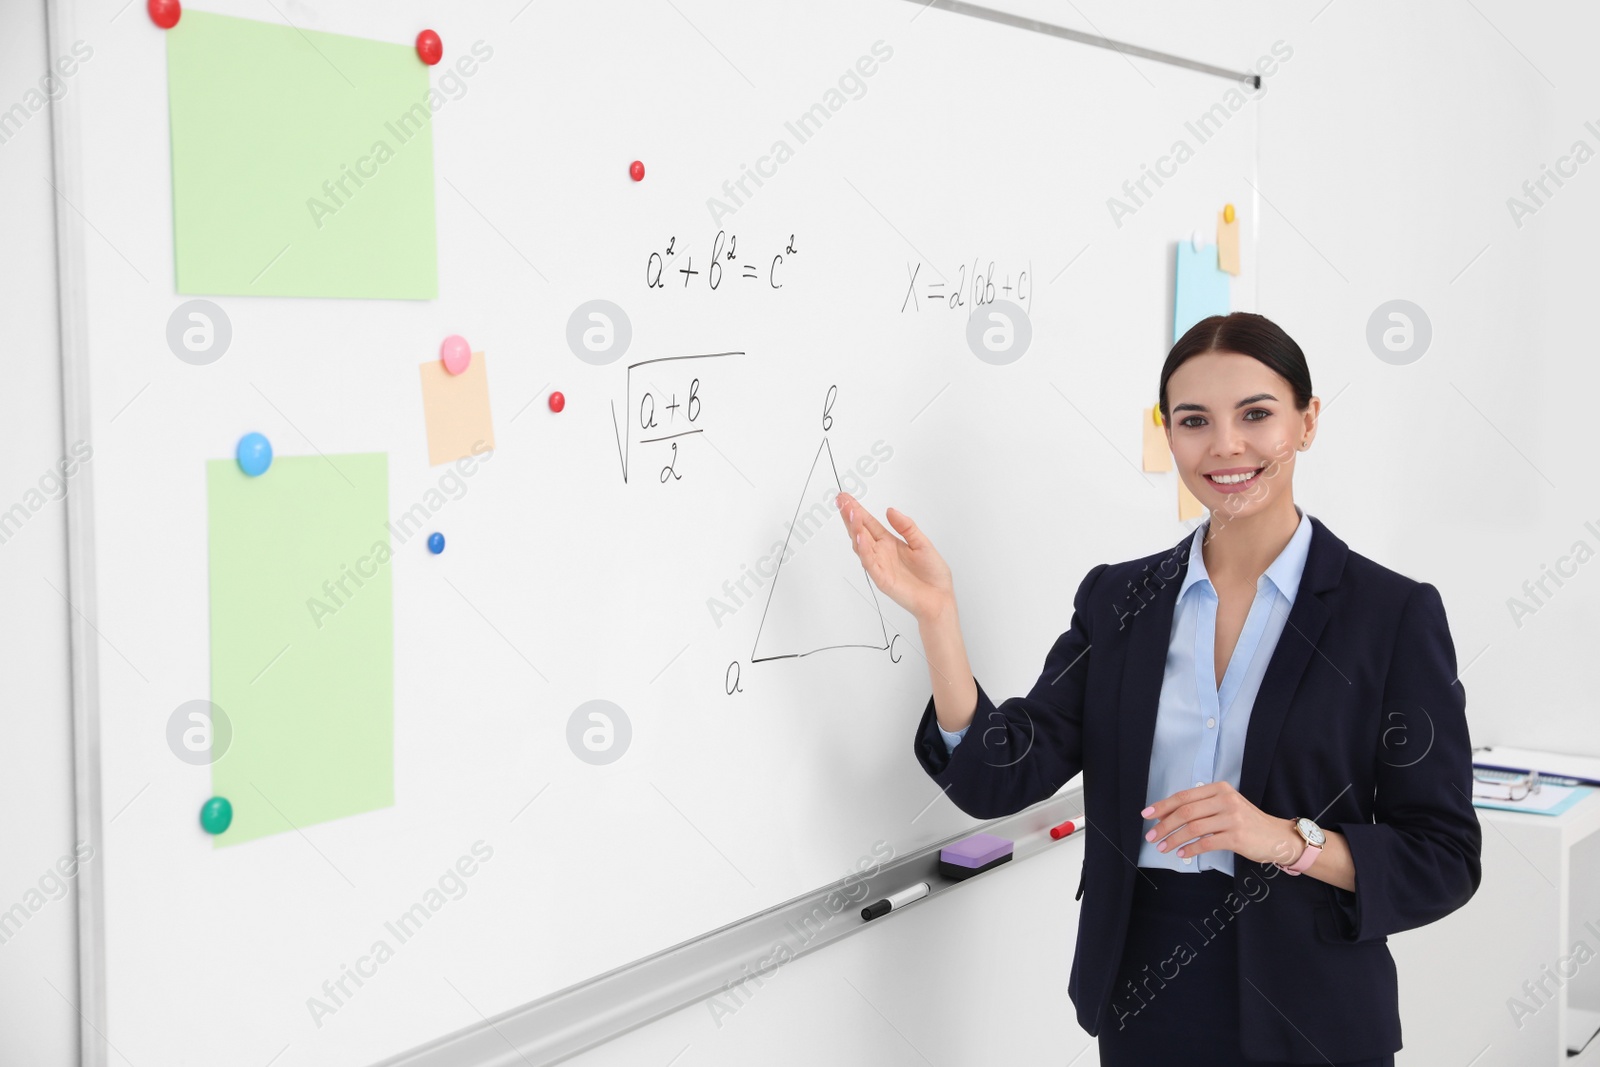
(905, 527)
(850, 512)
(858, 518)
(846, 505)
(875, 529)
(865, 535)
(877, 547)
(882, 554)
(868, 555)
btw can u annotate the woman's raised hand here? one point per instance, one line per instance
(910, 572)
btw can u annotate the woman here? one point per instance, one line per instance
(1273, 741)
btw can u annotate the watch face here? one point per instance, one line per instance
(1313, 833)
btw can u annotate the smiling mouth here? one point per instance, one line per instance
(1232, 480)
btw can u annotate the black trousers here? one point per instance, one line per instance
(1194, 1018)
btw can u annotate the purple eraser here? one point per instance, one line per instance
(976, 851)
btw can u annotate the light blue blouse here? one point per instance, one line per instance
(1200, 728)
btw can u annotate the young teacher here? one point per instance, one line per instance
(1273, 741)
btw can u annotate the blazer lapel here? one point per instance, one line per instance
(1296, 646)
(1152, 606)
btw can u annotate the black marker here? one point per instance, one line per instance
(898, 900)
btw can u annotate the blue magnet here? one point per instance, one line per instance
(436, 543)
(255, 454)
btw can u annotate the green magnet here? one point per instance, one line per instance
(216, 815)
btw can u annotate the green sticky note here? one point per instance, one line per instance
(302, 162)
(302, 640)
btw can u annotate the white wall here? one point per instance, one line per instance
(38, 943)
(1391, 142)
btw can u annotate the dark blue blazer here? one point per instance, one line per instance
(1360, 723)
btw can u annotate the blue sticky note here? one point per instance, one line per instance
(1200, 288)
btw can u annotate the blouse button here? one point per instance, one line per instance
(1210, 723)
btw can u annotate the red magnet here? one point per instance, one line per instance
(164, 13)
(429, 47)
(557, 401)
(635, 169)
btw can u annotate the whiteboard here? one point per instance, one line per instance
(589, 551)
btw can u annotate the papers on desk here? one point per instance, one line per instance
(1549, 800)
(1576, 769)
(1563, 779)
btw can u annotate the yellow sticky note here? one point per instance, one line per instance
(1157, 456)
(1227, 244)
(456, 408)
(1188, 506)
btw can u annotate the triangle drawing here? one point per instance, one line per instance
(820, 597)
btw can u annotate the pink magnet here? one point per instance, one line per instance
(455, 353)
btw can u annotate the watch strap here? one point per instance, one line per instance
(1307, 857)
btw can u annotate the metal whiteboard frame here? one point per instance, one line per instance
(582, 1017)
(83, 643)
(959, 7)
(565, 1023)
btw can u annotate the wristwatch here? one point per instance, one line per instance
(1314, 839)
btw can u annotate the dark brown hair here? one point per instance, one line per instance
(1248, 334)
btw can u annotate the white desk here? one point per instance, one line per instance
(1459, 977)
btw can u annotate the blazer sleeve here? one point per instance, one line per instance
(1419, 859)
(1024, 749)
